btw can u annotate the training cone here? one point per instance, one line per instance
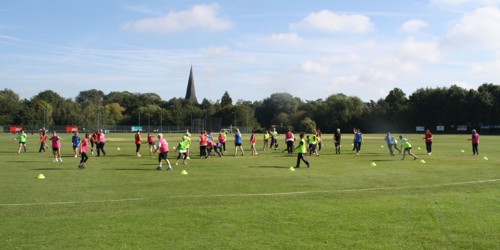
(463, 151)
(419, 148)
(422, 161)
(184, 172)
(292, 169)
(373, 164)
(485, 158)
(381, 146)
(117, 148)
(41, 177)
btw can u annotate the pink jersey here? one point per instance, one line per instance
(84, 145)
(102, 138)
(475, 138)
(163, 145)
(222, 138)
(56, 141)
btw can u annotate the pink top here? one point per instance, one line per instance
(475, 138)
(163, 145)
(56, 141)
(222, 138)
(84, 145)
(102, 137)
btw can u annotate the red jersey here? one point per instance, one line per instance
(428, 137)
(151, 139)
(203, 140)
(43, 138)
(137, 139)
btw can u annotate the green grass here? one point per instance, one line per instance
(253, 202)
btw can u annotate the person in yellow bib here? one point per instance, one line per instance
(406, 147)
(301, 152)
(182, 150)
(22, 141)
(187, 142)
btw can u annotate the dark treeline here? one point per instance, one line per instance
(427, 107)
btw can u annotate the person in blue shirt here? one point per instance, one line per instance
(76, 143)
(358, 140)
(238, 141)
(391, 143)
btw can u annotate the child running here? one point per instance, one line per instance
(75, 140)
(253, 140)
(406, 147)
(301, 152)
(22, 141)
(56, 146)
(181, 149)
(83, 151)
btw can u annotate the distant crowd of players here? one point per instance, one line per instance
(216, 145)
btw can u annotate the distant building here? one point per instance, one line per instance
(190, 91)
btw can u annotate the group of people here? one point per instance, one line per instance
(209, 145)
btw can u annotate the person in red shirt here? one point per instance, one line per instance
(138, 143)
(43, 139)
(93, 140)
(203, 144)
(151, 142)
(428, 141)
(83, 151)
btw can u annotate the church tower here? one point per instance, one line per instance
(190, 92)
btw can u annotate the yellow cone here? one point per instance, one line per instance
(373, 164)
(184, 172)
(292, 169)
(485, 158)
(41, 177)
(422, 161)
(463, 151)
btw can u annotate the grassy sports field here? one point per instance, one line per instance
(452, 201)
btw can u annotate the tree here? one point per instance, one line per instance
(226, 100)
(87, 97)
(274, 105)
(9, 106)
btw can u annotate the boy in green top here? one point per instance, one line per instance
(301, 152)
(22, 141)
(312, 144)
(182, 149)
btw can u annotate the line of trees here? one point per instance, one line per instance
(429, 107)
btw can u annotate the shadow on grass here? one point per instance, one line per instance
(268, 167)
(132, 169)
(53, 168)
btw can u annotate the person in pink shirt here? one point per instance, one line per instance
(83, 151)
(101, 140)
(56, 146)
(475, 142)
(162, 147)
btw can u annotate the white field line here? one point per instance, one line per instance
(254, 194)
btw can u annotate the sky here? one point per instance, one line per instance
(251, 49)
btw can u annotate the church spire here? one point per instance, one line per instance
(190, 92)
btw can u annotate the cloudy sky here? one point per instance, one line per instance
(310, 49)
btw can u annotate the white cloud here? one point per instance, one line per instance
(478, 29)
(412, 53)
(328, 21)
(414, 25)
(315, 67)
(287, 38)
(201, 16)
